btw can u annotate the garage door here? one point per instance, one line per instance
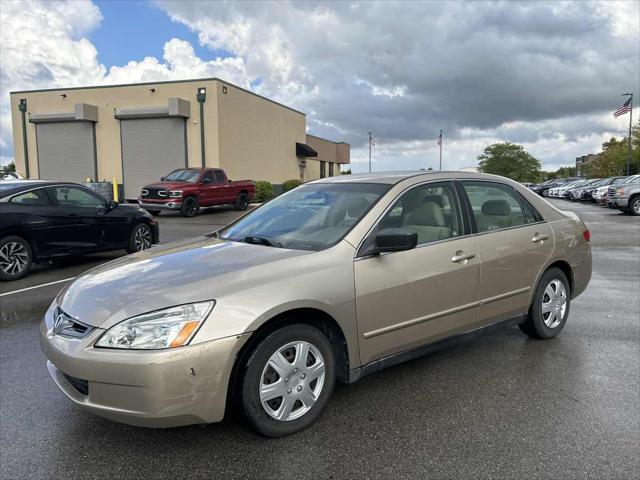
(151, 148)
(66, 151)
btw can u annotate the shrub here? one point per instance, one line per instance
(290, 185)
(264, 191)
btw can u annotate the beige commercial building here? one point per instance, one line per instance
(136, 133)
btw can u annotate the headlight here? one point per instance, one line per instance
(620, 191)
(168, 328)
(175, 193)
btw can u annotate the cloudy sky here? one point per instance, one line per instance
(547, 75)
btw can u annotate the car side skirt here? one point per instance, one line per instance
(356, 374)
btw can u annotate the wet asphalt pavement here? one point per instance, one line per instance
(501, 406)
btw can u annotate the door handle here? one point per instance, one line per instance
(539, 238)
(461, 256)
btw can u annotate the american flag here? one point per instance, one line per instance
(440, 139)
(625, 108)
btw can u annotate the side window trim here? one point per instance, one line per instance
(452, 185)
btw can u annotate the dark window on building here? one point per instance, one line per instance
(323, 169)
(331, 169)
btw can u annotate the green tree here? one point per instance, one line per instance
(510, 160)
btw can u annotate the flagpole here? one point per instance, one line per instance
(369, 152)
(441, 150)
(629, 139)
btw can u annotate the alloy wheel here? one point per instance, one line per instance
(636, 206)
(554, 303)
(292, 380)
(142, 238)
(14, 258)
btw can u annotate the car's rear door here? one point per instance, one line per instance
(78, 219)
(513, 244)
(408, 298)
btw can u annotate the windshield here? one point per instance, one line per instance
(633, 178)
(309, 217)
(184, 175)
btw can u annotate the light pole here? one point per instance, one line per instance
(369, 152)
(629, 139)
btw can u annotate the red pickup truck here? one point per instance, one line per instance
(188, 189)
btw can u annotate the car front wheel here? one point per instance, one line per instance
(242, 202)
(140, 238)
(550, 306)
(15, 258)
(189, 207)
(288, 380)
(634, 205)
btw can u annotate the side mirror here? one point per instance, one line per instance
(395, 240)
(112, 205)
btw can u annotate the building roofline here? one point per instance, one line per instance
(326, 139)
(162, 82)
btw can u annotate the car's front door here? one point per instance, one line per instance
(408, 298)
(514, 242)
(77, 219)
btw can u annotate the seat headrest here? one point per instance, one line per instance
(496, 207)
(427, 214)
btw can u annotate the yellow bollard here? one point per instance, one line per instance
(115, 189)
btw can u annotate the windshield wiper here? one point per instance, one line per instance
(255, 240)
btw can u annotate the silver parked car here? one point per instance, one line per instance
(330, 281)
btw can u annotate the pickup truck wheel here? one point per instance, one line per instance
(287, 380)
(189, 207)
(15, 258)
(242, 202)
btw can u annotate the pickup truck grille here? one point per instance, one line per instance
(156, 193)
(611, 192)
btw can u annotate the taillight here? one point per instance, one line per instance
(587, 235)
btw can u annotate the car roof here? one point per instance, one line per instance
(391, 178)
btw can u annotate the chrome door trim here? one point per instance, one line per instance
(443, 313)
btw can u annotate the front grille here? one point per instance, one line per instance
(154, 193)
(82, 386)
(68, 326)
(611, 192)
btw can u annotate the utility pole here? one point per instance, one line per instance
(629, 139)
(369, 152)
(440, 143)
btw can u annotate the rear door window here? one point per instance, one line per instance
(495, 206)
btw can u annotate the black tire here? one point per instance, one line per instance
(189, 207)
(537, 324)
(242, 202)
(140, 238)
(251, 378)
(16, 258)
(634, 205)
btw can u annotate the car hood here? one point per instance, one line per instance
(173, 274)
(169, 185)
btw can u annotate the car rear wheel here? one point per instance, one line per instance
(15, 258)
(288, 380)
(189, 207)
(550, 306)
(140, 238)
(242, 202)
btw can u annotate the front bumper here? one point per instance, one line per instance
(162, 388)
(170, 205)
(620, 201)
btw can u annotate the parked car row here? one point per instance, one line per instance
(620, 192)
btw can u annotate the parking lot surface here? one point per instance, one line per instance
(501, 406)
